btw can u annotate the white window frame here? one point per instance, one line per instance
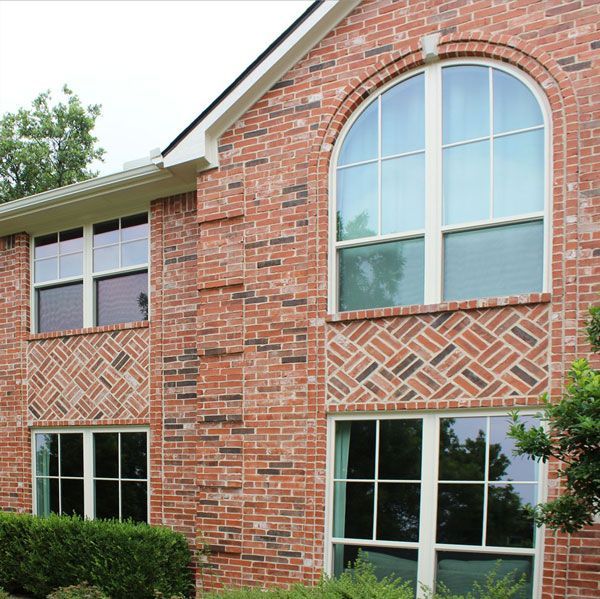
(88, 463)
(427, 545)
(434, 229)
(88, 276)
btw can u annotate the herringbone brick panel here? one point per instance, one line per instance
(91, 377)
(484, 353)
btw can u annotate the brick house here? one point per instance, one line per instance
(297, 331)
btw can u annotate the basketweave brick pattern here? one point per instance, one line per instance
(476, 353)
(100, 376)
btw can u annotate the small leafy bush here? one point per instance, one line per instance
(124, 560)
(78, 591)
(3, 594)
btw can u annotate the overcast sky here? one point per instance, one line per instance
(153, 65)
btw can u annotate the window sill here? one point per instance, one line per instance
(475, 304)
(109, 328)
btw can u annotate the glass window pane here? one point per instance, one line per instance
(400, 449)
(133, 455)
(460, 514)
(106, 233)
(46, 270)
(403, 117)
(46, 246)
(380, 275)
(134, 501)
(47, 496)
(60, 308)
(71, 241)
(504, 465)
(403, 194)
(361, 142)
(134, 252)
(510, 515)
(123, 298)
(46, 454)
(71, 265)
(353, 511)
(355, 449)
(462, 448)
(106, 455)
(106, 258)
(357, 202)
(134, 227)
(398, 511)
(507, 260)
(388, 562)
(458, 572)
(519, 174)
(515, 107)
(466, 103)
(71, 454)
(466, 183)
(72, 496)
(106, 499)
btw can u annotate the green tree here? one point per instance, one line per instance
(47, 146)
(572, 436)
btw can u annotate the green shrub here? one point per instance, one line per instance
(78, 591)
(123, 559)
(3, 594)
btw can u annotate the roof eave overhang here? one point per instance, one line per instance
(119, 193)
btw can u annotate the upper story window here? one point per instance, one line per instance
(439, 191)
(91, 276)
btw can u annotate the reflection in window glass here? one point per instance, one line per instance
(458, 572)
(355, 449)
(357, 202)
(510, 467)
(460, 514)
(398, 511)
(356, 519)
(387, 561)
(106, 233)
(400, 444)
(510, 503)
(380, 275)
(462, 449)
(122, 298)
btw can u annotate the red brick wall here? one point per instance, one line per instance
(263, 261)
(243, 361)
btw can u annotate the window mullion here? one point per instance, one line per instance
(88, 474)
(88, 283)
(376, 480)
(428, 509)
(433, 184)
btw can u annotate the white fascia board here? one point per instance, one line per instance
(201, 143)
(72, 204)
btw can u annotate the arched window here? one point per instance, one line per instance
(439, 190)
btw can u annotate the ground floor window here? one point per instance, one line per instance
(437, 499)
(94, 473)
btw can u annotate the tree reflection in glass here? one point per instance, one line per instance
(463, 449)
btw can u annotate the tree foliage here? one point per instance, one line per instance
(47, 146)
(572, 436)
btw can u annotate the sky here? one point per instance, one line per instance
(152, 65)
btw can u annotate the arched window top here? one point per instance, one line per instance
(455, 146)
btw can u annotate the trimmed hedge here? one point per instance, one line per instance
(123, 559)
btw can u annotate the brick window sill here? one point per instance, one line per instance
(109, 328)
(476, 304)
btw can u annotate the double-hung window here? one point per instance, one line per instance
(91, 276)
(436, 499)
(439, 190)
(100, 473)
